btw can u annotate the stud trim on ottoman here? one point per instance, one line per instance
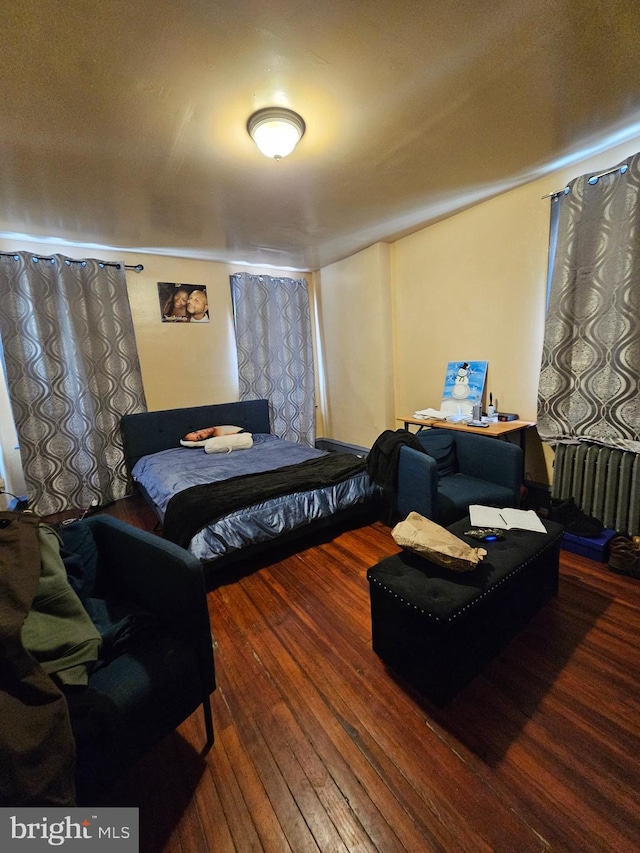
(438, 628)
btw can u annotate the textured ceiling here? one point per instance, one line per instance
(124, 123)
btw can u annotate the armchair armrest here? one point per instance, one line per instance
(160, 577)
(417, 483)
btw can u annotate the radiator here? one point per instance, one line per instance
(604, 483)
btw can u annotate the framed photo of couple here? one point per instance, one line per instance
(183, 303)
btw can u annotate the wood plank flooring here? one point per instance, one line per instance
(319, 748)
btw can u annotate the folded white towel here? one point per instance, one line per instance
(227, 443)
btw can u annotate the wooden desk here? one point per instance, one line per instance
(498, 429)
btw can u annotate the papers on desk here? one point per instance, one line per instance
(442, 415)
(506, 518)
(430, 413)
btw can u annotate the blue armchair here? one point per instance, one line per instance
(147, 598)
(458, 469)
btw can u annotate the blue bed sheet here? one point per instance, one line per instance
(164, 474)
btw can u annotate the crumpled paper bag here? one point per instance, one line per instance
(435, 543)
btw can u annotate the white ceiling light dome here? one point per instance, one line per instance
(276, 131)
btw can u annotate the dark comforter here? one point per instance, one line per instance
(193, 508)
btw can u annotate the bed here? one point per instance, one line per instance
(225, 505)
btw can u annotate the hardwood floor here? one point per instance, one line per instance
(319, 747)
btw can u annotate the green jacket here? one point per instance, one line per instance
(58, 631)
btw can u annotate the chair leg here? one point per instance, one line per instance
(208, 725)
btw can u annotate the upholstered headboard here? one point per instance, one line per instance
(151, 432)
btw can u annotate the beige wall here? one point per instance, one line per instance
(182, 364)
(355, 340)
(463, 290)
(469, 287)
(388, 319)
(473, 287)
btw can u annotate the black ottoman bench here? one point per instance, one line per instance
(437, 628)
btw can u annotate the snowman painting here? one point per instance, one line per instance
(460, 390)
(463, 388)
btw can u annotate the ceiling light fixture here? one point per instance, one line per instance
(276, 131)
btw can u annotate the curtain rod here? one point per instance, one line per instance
(135, 268)
(592, 180)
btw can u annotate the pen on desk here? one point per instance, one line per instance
(503, 518)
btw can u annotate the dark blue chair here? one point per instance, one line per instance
(456, 470)
(147, 598)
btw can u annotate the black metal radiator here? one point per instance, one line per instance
(604, 483)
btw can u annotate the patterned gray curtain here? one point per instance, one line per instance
(275, 353)
(72, 371)
(590, 374)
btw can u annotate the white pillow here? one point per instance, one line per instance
(227, 443)
(191, 439)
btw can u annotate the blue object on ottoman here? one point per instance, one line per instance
(437, 628)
